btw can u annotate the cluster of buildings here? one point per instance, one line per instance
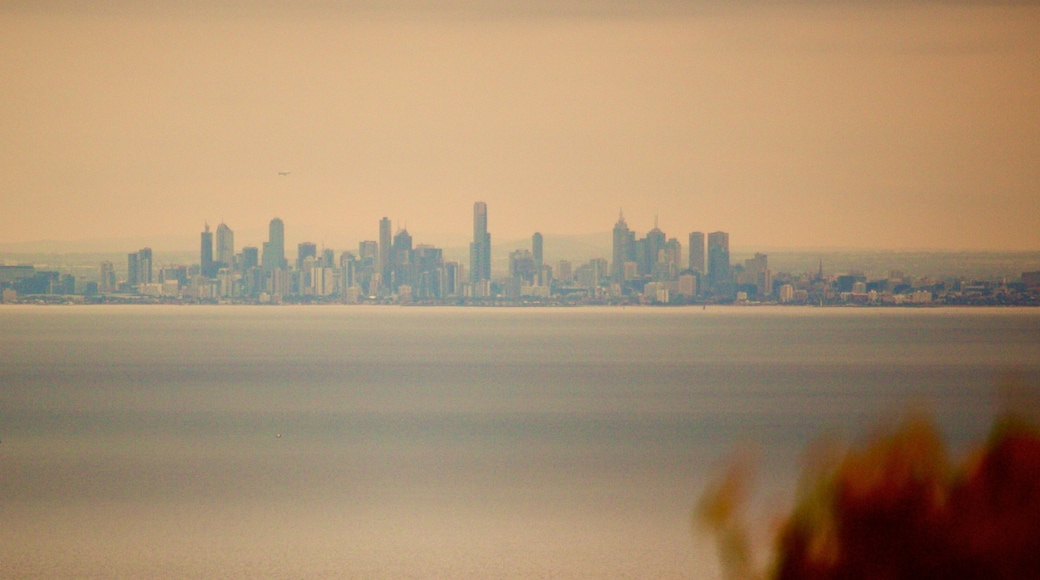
(643, 270)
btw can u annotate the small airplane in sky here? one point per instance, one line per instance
(283, 173)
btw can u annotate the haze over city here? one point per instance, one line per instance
(905, 125)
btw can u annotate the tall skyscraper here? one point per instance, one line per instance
(536, 250)
(225, 246)
(383, 265)
(132, 270)
(108, 277)
(652, 246)
(206, 255)
(718, 259)
(480, 249)
(144, 266)
(250, 258)
(697, 252)
(274, 247)
(305, 250)
(624, 242)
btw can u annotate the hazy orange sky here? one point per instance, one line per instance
(841, 124)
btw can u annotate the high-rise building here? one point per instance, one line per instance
(718, 259)
(274, 247)
(624, 244)
(536, 250)
(697, 252)
(206, 254)
(652, 245)
(480, 249)
(144, 266)
(250, 258)
(305, 250)
(225, 246)
(108, 277)
(383, 264)
(132, 270)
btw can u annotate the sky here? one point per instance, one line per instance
(854, 124)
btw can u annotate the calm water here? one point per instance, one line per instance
(394, 442)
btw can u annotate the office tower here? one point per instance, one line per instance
(383, 264)
(697, 252)
(673, 253)
(132, 269)
(653, 243)
(274, 247)
(368, 249)
(303, 251)
(480, 249)
(225, 246)
(565, 272)
(536, 250)
(144, 266)
(250, 258)
(756, 273)
(206, 256)
(328, 258)
(718, 259)
(624, 244)
(108, 277)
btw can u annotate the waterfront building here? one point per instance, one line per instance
(250, 258)
(624, 247)
(383, 266)
(305, 250)
(718, 260)
(206, 253)
(480, 249)
(274, 247)
(108, 277)
(225, 255)
(696, 262)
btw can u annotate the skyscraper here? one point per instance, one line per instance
(624, 241)
(225, 246)
(697, 252)
(274, 248)
(305, 250)
(144, 266)
(206, 255)
(250, 258)
(480, 249)
(383, 265)
(536, 250)
(718, 259)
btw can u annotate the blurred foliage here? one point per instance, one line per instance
(897, 508)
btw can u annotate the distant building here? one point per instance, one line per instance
(107, 283)
(225, 256)
(250, 258)
(696, 261)
(209, 270)
(274, 248)
(480, 249)
(624, 241)
(305, 250)
(718, 260)
(383, 266)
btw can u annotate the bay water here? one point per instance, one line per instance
(391, 442)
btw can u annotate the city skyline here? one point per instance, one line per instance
(845, 125)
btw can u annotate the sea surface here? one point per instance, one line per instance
(391, 442)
